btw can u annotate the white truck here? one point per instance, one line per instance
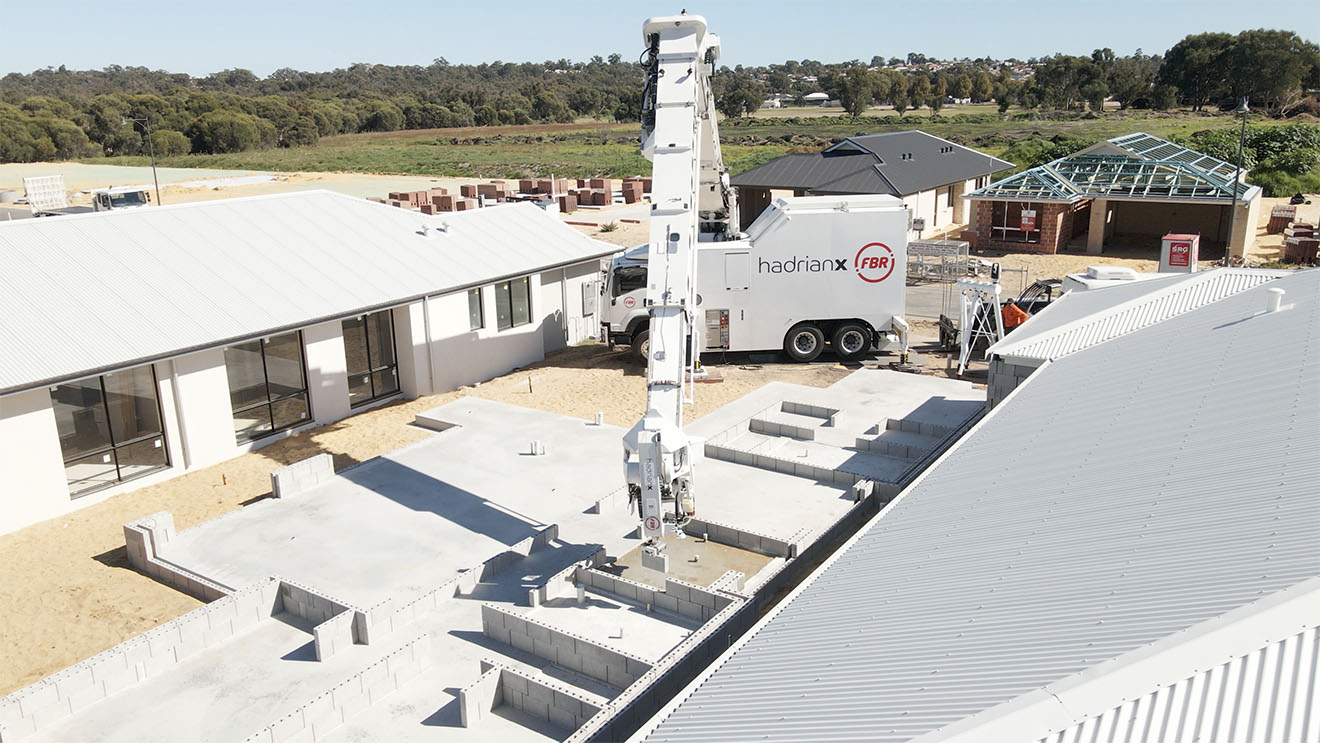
(810, 271)
(48, 197)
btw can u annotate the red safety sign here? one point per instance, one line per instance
(1028, 220)
(1180, 254)
(653, 523)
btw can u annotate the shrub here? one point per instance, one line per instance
(169, 143)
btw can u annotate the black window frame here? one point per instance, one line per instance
(115, 446)
(372, 367)
(480, 314)
(269, 402)
(507, 287)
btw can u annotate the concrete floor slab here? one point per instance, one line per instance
(223, 694)
(618, 624)
(415, 517)
(713, 560)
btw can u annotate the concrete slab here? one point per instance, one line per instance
(617, 623)
(712, 560)
(415, 517)
(223, 694)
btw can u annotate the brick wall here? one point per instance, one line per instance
(1055, 222)
(146, 538)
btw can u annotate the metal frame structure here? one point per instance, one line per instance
(1156, 169)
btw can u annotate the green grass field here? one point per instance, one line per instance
(601, 149)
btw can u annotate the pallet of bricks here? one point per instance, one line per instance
(1280, 217)
(1301, 243)
(557, 189)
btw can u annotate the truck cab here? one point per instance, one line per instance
(625, 315)
(120, 198)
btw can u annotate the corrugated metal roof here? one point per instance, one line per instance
(1120, 496)
(896, 164)
(1081, 319)
(1272, 694)
(1134, 166)
(81, 294)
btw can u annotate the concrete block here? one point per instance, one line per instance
(381, 689)
(287, 727)
(677, 590)
(540, 692)
(521, 640)
(690, 610)
(784, 466)
(74, 680)
(666, 602)
(80, 699)
(563, 718)
(593, 667)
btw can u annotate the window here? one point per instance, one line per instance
(1007, 223)
(110, 429)
(628, 278)
(948, 198)
(476, 314)
(373, 370)
(267, 385)
(513, 303)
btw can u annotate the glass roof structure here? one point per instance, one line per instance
(1134, 166)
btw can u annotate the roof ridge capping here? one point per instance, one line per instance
(1060, 705)
(1175, 285)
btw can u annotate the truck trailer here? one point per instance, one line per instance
(811, 272)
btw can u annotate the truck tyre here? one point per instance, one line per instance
(804, 342)
(641, 345)
(851, 341)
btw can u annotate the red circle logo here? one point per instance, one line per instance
(629, 302)
(874, 262)
(652, 523)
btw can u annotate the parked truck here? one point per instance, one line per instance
(48, 197)
(810, 273)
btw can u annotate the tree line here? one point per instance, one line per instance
(56, 114)
(60, 114)
(1273, 69)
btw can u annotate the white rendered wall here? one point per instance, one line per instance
(327, 371)
(462, 356)
(410, 347)
(204, 417)
(32, 484)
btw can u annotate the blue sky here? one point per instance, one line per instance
(203, 37)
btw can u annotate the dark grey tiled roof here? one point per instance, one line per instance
(898, 164)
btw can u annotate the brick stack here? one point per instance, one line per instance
(463, 205)
(1300, 243)
(601, 198)
(1280, 217)
(428, 209)
(632, 192)
(644, 182)
(567, 203)
(598, 183)
(443, 202)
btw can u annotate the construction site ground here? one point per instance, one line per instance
(67, 590)
(397, 536)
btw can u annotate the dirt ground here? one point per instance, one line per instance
(66, 587)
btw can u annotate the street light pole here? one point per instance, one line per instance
(1243, 109)
(151, 148)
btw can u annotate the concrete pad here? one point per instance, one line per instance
(713, 559)
(618, 624)
(415, 517)
(223, 694)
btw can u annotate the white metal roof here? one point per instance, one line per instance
(1270, 693)
(1081, 319)
(84, 294)
(1119, 497)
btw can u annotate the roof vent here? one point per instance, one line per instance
(1111, 273)
(1273, 299)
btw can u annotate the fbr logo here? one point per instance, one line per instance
(874, 262)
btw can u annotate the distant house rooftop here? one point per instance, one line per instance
(897, 164)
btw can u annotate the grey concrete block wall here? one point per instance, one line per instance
(565, 649)
(333, 635)
(309, 603)
(556, 703)
(300, 477)
(318, 718)
(478, 699)
(148, 655)
(815, 411)
(741, 538)
(1003, 378)
(146, 538)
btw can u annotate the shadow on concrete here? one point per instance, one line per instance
(424, 493)
(447, 716)
(302, 654)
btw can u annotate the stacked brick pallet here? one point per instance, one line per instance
(1301, 243)
(1280, 217)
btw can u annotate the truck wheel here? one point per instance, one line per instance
(641, 345)
(804, 342)
(851, 341)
